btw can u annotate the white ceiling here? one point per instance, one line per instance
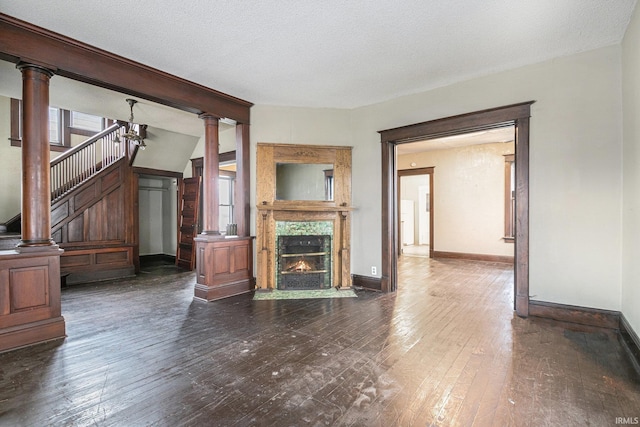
(332, 53)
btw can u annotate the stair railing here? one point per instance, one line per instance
(83, 161)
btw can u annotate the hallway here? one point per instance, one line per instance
(446, 350)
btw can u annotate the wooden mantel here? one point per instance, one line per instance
(272, 208)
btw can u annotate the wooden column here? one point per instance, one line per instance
(30, 309)
(243, 174)
(36, 189)
(210, 188)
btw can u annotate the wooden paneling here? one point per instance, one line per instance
(85, 196)
(29, 298)
(224, 266)
(28, 287)
(59, 213)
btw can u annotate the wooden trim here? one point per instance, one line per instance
(473, 257)
(32, 333)
(157, 172)
(521, 253)
(575, 314)
(630, 341)
(158, 257)
(389, 267)
(366, 282)
(16, 122)
(242, 203)
(516, 114)
(491, 118)
(20, 40)
(509, 159)
(228, 156)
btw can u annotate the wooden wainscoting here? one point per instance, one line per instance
(224, 266)
(29, 298)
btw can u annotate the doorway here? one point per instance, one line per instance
(517, 115)
(415, 200)
(157, 217)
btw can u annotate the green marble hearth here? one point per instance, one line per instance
(306, 294)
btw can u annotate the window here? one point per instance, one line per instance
(509, 198)
(55, 126)
(86, 121)
(62, 124)
(226, 186)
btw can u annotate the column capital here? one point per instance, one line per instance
(44, 69)
(208, 117)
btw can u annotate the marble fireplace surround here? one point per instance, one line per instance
(279, 217)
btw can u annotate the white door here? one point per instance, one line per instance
(407, 219)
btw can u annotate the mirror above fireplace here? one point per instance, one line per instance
(304, 181)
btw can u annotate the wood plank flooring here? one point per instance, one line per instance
(446, 350)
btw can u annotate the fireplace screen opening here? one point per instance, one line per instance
(304, 262)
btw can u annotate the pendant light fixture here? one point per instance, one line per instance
(132, 134)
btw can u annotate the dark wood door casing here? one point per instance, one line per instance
(187, 222)
(517, 115)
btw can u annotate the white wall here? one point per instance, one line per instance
(10, 166)
(227, 140)
(576, 163)
(631, 160)
(468, 197)
(157, 203)
(166, 150)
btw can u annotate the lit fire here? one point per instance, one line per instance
(300, 265)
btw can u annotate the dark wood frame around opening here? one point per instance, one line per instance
(517, 115)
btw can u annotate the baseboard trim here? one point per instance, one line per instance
(32, 333)
(473, 257)
(366, 282)
(575, 314)
(630, 341)
(158, 257)
(99, 276)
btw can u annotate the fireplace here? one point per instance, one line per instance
(304, 262)
(303, 236)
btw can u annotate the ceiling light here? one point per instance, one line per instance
(132, 134)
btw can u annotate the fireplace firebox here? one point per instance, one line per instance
(304, 262)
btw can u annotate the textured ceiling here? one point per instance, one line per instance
(332, 53)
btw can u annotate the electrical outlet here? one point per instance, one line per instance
(374, 271)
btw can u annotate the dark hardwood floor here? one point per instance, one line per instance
(446, 350)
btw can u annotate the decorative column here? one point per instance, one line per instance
(30, 308)
(36, 188)
(224, 266)
(211, 171)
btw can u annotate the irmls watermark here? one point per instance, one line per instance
(629, 421)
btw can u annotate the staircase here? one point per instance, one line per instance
(93, 200)
(73, 168)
